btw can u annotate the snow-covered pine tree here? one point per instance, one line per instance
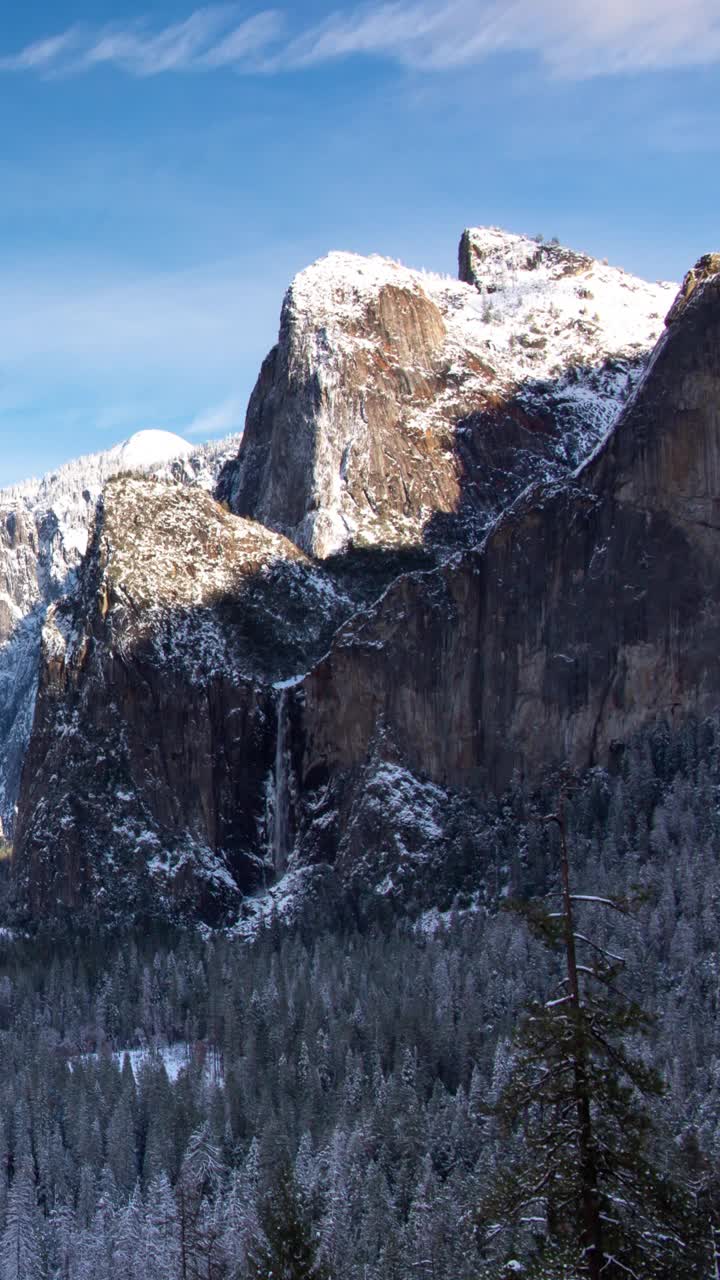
(161, 1243)
(199, 1226)
(586, 1184)
(20, 1257)
(62, 1232)
(287, 1248)
(127, 1257)
(121, 1145)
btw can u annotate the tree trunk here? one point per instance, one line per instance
(588, 1166)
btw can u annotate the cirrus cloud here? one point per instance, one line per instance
(581, 41)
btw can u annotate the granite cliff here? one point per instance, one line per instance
(401, 407)
(589, 609)
(44, 526)
(155, 730)
(282, 688)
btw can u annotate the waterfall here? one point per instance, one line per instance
(281, 789)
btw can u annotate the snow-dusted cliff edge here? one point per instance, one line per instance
(44, 529)
(400, 406)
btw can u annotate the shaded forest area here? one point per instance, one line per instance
(351, 1075)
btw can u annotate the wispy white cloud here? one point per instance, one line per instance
(144, 54)
(43, 53)
(209, 38)
(250, 38)
(581, 40)
(218, 420)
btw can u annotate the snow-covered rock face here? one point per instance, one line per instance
(45, 522)
(400, 406)
(44, 528)
(196, 588)
(580, 310)
(590, 610)
(152, 764)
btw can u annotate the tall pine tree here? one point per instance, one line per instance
(287, 1249)
(20, 1257)
(584, 1182)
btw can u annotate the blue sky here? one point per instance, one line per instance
(165, 170)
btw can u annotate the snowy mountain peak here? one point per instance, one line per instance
(578, 308)
(528, 310)
(488, 257)
(338, 286)
(371, 422)
(149, 448)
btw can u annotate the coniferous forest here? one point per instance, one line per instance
(335, 1101)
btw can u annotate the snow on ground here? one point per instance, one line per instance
(174, 1057)
(434, 920)
(281, 901)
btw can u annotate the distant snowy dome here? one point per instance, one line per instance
(147, 448)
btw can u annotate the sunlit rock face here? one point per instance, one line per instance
(401, 407)
(590, 610)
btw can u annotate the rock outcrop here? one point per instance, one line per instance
(149, 780)
(401, 407)
(250, 720)
(44, 526)
(590, 610)
(480, 264)
(705, 267)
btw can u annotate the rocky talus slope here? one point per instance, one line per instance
(265, 716)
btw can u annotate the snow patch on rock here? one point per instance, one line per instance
(535, 311)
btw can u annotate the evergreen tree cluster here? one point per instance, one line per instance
(336, 1111)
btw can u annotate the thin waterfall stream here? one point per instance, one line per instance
(281, 813)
